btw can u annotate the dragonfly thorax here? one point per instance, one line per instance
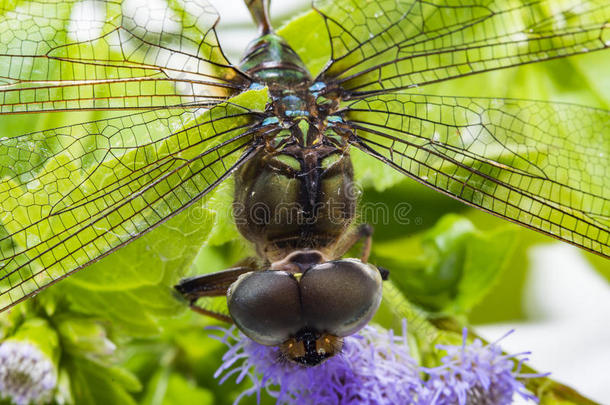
(295, 198)
(296, 103)
(270, 61)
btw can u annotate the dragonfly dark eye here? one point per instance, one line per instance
(265, 306)
(341, 296)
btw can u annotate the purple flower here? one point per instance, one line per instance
(26, 374)
(476, 371)
(375, 367)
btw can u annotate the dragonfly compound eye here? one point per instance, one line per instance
(265, 305)
(340, 297)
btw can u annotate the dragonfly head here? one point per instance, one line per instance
(306, 314)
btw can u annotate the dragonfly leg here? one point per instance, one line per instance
(215, 315)
(209, 285)
(366, 232)
(363, 231)
(385, 273)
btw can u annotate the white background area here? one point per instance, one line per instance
(568, 305)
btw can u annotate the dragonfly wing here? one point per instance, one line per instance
(543, 165)
(94, 54)
(377, 47)
(71, 195)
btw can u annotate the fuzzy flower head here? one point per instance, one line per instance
(26, 374)
(376, 367)
(476, 373)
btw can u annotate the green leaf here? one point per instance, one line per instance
(311, 43)
(450, 267)
(133, 287)
(370, 173)
(93, 383)
(221, 202)
(486, 256)
(169, 388)
(83, 336)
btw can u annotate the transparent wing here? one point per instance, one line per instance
(71, 195)
(381, 46)
(98, 54)
(543, 165)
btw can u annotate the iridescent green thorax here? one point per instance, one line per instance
(297, 112)
(271, 62)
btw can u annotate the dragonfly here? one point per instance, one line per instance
(177, 119)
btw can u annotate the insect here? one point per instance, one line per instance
(73, 194)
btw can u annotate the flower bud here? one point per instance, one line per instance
(28, 363)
